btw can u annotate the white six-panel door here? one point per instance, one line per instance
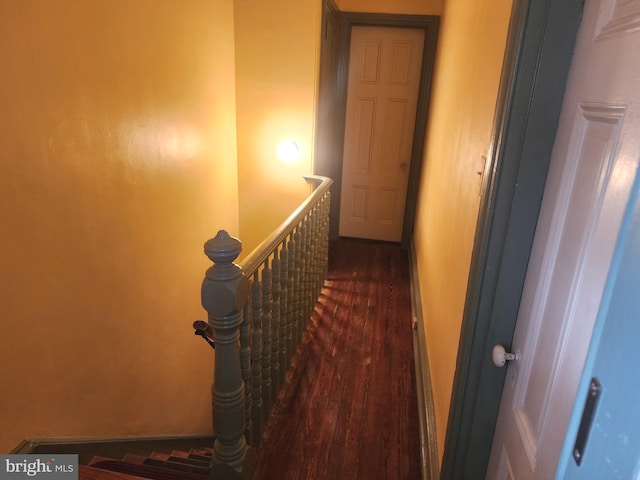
(593, 165)
(384, 77)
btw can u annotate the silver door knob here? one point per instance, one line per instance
(500, 356)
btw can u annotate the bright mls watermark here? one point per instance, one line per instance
(39, 466)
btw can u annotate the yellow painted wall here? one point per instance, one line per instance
(117, 162)
(277, 48)
(408, 7)
(469, 60)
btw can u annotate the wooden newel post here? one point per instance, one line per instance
(224, 294)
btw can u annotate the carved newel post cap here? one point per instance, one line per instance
(223, 248)
(225, 287)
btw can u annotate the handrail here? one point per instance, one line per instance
(257, 312)
(259, 254)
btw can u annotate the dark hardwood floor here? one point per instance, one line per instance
(350, 409)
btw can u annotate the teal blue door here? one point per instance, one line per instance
(611, 446)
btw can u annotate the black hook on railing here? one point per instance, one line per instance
(202, 329)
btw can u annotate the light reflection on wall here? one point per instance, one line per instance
(279, 128)
(178, 142)
(163, 144)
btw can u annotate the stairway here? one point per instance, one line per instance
(178, 465)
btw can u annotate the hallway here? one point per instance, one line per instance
(350, 409)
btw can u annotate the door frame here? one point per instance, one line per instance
(538, 54)
(334, 92)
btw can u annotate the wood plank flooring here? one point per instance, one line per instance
(350, 409)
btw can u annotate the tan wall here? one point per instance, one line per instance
(408, 7)
(117, 161)
(470, 52)
(277, 48)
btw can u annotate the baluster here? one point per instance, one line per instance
(224, 294)
(245, 363)
(326, 202)
(256, 359)
(266, 341)
(314, 247)
(275, 328)
(305, 276)
(284, 310)
(291, 297)
(323, 239)
(294, 290)
(311, 264)
(298, 322)
(309, 260)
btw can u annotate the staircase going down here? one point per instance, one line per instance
(178, 465)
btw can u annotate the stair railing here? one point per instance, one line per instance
(257, 313)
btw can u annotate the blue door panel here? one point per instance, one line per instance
(612, 448)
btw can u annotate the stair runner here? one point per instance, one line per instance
(192, 465)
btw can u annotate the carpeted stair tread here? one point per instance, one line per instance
(194, 462)
(178, 465)
(191, 456)
(202, 458)
(179, 453)
(181, 467)
(134, 459)
(98, 459)
(159, 456)
(205, 452)
(147, 471)
(181, 460)
(90, 473)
